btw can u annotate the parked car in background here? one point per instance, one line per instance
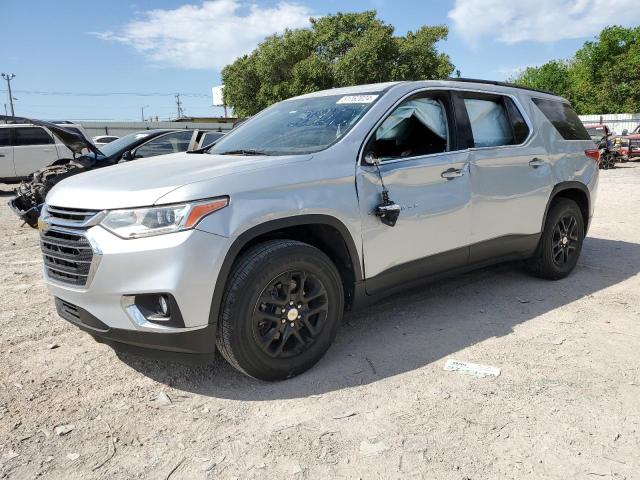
(318, 204)
(103, 139)
(86, 156)
(25, 148)
(209, 138)
(597, 131)
(633, 152)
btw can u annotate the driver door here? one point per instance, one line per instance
(426, 171)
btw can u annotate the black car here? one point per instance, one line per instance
(30, 195)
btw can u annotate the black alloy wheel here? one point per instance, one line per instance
(282, 306)
(290, 314)
(565, 240)
(560, 242)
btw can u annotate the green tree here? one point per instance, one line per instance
(337, 50)
(602, 77)
(552, 76)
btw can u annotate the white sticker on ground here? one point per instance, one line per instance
(357, 99)
(471, 368)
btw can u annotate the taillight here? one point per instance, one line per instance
(593, 155)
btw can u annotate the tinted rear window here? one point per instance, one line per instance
(5, 137)
(562, 116)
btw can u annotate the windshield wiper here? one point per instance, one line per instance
(243, 152)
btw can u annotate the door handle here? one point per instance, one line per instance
(1, 154)
(452, 173)
(47, 150)
(536, 162)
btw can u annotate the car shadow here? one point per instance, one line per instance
(412, 329)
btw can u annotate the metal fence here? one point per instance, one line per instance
(123, 128)
(616, 122)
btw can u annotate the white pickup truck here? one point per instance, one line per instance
(25, 148)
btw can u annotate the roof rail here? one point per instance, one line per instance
(500, 84)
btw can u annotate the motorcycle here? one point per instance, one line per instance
(608, 156)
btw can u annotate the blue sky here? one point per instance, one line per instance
(168, 46)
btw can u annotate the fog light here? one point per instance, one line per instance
(164, 305)
(160, 308)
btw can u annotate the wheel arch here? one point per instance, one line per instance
(576, 191)
(324, 232)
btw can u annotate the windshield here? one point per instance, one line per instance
(296, 126)
(121, 143)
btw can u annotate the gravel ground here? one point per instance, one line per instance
(379, 405)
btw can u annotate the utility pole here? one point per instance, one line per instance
(142, 112)
(179, 105)
(8, 78)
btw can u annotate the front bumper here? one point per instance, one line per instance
(200, 341)
(184, 264)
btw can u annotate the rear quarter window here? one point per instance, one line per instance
(563, 118)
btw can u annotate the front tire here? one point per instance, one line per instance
(281, 310)
(561, 241)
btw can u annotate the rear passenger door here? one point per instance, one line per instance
(33, 148)
(510, 175)
(7, 169)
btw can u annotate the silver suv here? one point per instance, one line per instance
(319, 204)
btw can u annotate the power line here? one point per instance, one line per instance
(108, 94)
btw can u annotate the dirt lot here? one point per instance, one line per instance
(379, 405)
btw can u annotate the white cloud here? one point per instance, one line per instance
(512, 21)
(510, 72)
(209, 35)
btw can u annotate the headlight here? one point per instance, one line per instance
(149, 221)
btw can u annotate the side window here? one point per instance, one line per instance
(563, 118)
(489, 122)
(209, 137)
(5, 137)
(416, 127)
(518, 124)
(26, 136)
(164, 144)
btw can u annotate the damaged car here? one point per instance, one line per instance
(30, 194)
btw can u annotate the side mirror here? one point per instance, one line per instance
(126, 156)
(625, 132)
(371, 159)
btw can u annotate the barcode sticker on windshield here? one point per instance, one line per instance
(357, 99)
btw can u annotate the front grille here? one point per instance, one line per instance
(67, 256)
(69, 216)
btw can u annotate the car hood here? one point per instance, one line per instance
(143, 182)
(73, 141)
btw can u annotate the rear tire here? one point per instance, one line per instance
(281, 310)
(561, 241)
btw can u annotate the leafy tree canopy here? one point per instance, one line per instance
(337, 50)
(602, 77)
